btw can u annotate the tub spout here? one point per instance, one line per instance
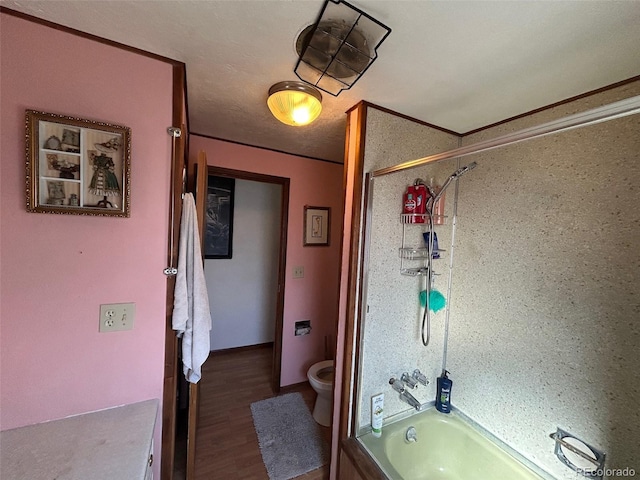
(411, 400)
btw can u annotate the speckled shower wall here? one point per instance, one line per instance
(545, 328)
(390, 342)
(545, 304)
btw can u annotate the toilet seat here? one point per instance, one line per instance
(324, 377)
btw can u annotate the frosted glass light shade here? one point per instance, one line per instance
(294, 103)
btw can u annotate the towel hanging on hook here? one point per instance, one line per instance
(191, 314)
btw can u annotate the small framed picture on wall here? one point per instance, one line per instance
(316, 226)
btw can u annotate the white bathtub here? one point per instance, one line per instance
(448, 448)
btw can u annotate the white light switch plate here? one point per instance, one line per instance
(298, 272)
(117, 316)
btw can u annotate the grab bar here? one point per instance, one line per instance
(175, 133)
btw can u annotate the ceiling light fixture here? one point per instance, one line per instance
(294, 103)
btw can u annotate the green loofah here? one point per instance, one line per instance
(436, 300)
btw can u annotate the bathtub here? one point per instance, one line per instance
(448, 447)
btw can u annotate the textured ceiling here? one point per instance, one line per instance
(457, 64)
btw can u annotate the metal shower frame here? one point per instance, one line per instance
(612, 111)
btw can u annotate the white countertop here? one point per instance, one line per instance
(110, 444)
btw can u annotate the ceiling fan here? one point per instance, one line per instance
(339, 47)
(333, 54)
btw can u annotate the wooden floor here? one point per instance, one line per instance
(226, 443)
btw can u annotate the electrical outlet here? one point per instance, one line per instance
(117, 316)
(298, 272)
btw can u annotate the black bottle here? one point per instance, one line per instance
(443, 393)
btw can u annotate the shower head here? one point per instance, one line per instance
(455, 175)
(463, 170)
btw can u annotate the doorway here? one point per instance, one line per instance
(279, 265)
(244, 235)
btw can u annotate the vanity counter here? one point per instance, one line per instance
(116, 443)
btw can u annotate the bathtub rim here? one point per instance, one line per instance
(384, 475)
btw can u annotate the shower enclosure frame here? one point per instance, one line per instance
(361, 236)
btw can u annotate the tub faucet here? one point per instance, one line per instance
(420, 377)
(400, 387)
(411, 400)
(408, 381)
(397, 385)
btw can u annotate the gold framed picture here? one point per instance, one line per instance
(77, 166)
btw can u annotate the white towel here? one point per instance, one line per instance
(191, 315)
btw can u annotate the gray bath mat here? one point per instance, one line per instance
(290, 440)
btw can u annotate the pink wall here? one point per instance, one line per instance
(56, 270)
(314, 297)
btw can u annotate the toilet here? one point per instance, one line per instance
(320, 377)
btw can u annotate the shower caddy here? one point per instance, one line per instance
(413, 259)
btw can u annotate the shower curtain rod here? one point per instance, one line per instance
(623, 108)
